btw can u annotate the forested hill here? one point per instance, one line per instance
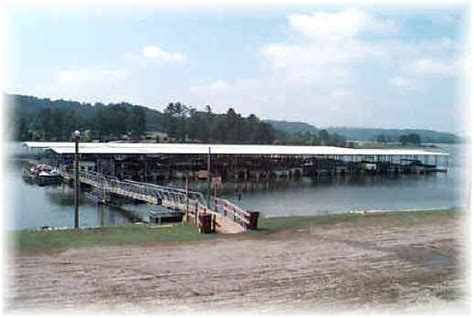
(292, 127)
(30, 104)
(367, 134)
(374, 134)
(42, 119)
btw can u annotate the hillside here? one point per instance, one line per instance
(292, 127)
(367, 134)
(30, 104)
(371, 134)
(39, 117)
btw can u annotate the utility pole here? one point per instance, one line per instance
(209, 179)
(77, 183)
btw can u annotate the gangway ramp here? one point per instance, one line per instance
(229, 217)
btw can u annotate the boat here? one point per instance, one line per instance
(42, 174)
(48, 177)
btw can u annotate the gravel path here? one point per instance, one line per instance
(364, 266)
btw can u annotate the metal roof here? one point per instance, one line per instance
(169, 148)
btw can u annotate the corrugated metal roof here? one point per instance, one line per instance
(156, 148)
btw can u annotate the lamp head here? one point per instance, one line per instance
(77, 133)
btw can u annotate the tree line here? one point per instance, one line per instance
(188, 124)
(36, 119)
(57, 124)
(408, 139)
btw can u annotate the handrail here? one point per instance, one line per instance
(171, 196)
(239, 215)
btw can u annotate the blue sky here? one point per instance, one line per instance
(388, 66)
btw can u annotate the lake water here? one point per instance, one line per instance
(31, 206)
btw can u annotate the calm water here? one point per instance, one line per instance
(32, 206)
(35, 206)
(442, 190)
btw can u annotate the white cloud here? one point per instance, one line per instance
(330, 43)
(326, 73)
(339, 25)
(329, 48)
(443, 44)
(429, 66)
(155, 52)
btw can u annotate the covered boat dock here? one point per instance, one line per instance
(156, 162)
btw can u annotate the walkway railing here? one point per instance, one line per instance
(226, 216)
(233, 211)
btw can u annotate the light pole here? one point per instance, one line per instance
(77, 183)
(209, 179)
(187, 197)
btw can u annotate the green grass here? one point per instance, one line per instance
(44, 241)
(395, 217)
(133, 234)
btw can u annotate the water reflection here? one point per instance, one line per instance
(33, 206)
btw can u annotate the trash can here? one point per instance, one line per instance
(253, 220)
(205, 223)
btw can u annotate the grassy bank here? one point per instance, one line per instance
(130, 234)
(389, 217)
(51, 241)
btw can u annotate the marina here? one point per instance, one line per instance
(157, 163)
(289, 195)
(291, 159)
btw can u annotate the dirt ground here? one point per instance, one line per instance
(358, 267)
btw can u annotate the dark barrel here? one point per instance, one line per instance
(205, 223)
(253, 220)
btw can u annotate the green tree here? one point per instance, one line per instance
(324, 137)
(175, 120)
(45, 121)
(381, 138)
(136, 122)
(410, 139)
(232, 122)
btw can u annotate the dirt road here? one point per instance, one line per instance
(363, 266)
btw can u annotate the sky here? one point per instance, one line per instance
(355, 66)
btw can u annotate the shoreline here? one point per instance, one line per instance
(369, 211)
(54, 240)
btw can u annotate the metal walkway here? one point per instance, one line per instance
(229, 218)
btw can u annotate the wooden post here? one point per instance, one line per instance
(187, 199)
(196, 212)
(215, 191)
(209, 178)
